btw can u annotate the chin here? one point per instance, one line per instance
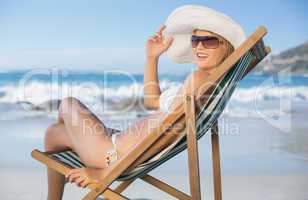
(204, 65)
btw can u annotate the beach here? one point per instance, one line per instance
(29, 184)
(256, 164)
(264, 151)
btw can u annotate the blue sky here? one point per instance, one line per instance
(100, 35)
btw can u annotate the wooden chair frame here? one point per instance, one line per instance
(143, 151)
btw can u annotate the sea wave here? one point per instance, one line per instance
(38, 97)
(265, 93)
(38, 92)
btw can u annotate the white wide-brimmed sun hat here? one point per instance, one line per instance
(183, 20)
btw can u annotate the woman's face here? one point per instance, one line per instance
(208, 58)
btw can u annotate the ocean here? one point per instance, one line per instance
(30, 93)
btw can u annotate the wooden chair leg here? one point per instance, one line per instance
(165, 187)
(112, 195)
(216, 162)
(120, 188)
(193, 158)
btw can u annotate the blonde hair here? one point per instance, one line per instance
(230, 47)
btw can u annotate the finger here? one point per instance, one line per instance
(153, 39)
(155, 36)
(73, 177)
(79, 181)
(150, 39)
(158, 35)
(85, 183)
(71, 172)
(161, 28)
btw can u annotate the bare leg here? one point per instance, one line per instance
(75, 123)
(88, 135)
(56, 139)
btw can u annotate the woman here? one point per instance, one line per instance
(80, 130)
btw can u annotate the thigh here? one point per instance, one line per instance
(136, 132)
(90, 139)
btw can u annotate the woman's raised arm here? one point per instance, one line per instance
(155, 46)
(151, 84)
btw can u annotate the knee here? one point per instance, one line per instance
(68, 104)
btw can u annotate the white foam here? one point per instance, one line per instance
(297, 93)
(37, 92)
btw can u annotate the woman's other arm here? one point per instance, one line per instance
(155, 46)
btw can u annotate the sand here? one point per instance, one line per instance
(30, 184)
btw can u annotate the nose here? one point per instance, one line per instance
(199, 46)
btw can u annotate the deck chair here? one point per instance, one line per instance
(197, 115)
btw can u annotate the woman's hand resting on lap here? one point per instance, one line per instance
(157, 44)
(84, 176)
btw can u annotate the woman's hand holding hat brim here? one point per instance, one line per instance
(157, 44)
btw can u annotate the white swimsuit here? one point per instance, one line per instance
(166, 97)
(112, 154)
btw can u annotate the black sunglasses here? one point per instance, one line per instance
(209, 42)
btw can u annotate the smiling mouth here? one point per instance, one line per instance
(202, 55)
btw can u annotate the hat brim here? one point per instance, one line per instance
(181, 23)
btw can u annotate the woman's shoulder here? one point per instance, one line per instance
(194, 80)
(196, 75)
